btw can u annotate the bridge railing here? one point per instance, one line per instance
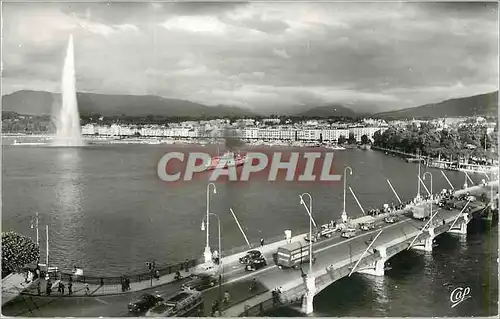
(295, 295)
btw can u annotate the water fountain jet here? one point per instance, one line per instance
(67, 119)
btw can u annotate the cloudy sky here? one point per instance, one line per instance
(258, 55)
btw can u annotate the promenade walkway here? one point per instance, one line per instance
(81, 289)
(12, 285)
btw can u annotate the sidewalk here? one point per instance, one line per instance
(12, 285)
(79, 288)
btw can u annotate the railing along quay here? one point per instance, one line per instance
(114, 280)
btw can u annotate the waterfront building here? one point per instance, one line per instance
(88, 129)
(368, 131)
(333, 135)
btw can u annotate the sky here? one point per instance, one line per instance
(258, 55)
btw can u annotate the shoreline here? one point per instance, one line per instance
(185, 141)
(482, 169)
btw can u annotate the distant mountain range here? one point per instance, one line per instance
(481, 105)
(329, 111)
(42, 103)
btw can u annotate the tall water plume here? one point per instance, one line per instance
(67, 118)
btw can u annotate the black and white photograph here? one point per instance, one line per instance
(249, 159)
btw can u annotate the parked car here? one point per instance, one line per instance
(200, 282)
(251, 255)
(348, 233)
(256, 264)
(144, 303)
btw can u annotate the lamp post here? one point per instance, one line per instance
(220, 253)
(418, 179)
(208, 254)
(310, 281)
(344, 214)
(310, 226)
(432, 194)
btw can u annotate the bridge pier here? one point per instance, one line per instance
(377, 268)
(426, 244)
(462, 227)
(307, 302)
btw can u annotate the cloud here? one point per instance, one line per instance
(281, 53)
(259, 55)
(205, 24)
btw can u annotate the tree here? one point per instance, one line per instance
(341, 140)
(18, 251)
(352, 139)
(365, 139)
(377, 138)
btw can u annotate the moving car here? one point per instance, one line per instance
(367, 226)
(349, 232)
(200, 282)
(391, 219)
(328, 230)
(185, 303)
(316, 235)
(251, 255)
(256, 264)
(144, 303)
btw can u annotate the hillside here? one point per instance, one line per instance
(42, 103)
(483, 105)
(328, 111)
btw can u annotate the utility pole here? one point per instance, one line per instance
(47, 245)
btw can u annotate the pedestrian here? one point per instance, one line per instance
(215, 256)
(215, 307)
(127, 283)
(61, 287)
(444, 222)
(48, 287)
(157, 274)
(39, 288)
(70, 287)
(227, 296)
(186, 265)
(87, 290)
(275, 296)
(262, 242)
